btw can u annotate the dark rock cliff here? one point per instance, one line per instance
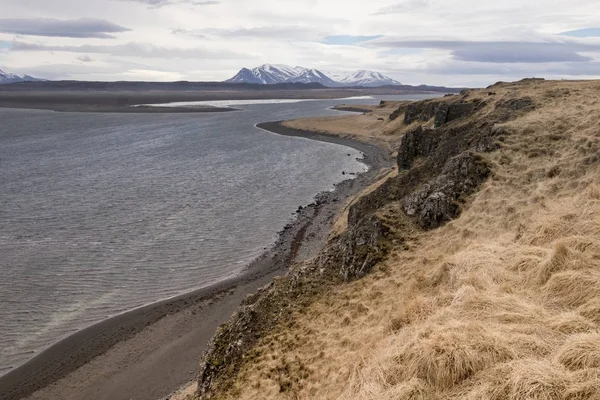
(443, 112)
(439, 168)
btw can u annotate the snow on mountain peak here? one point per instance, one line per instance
(278, 73)
(6, 77)
(366, 78)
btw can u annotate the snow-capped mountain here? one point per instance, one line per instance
(366, 78)
(267, 74)
(270, 74)
(245, 76)
(6, 77)
(314, 76)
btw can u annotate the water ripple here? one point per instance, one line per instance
(101, 213)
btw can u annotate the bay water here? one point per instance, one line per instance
(102, 213)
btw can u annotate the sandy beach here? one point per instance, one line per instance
(148, 352)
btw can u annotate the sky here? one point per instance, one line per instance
(436, 42)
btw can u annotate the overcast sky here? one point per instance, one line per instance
(444, 42)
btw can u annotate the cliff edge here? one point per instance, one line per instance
(474, 272)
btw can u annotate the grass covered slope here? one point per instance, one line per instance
(484, 280)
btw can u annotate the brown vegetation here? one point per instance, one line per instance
(372, 126)
(501, 303)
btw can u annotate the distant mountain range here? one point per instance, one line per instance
(6, 77)
(268, 74)
(264, 78)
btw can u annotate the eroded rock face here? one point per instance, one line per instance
(420, 111)
(441, 115)
(437, 202)
(417, 143)
(442, 112)
(431, 195)
(360, 249)
(432, 210)
(460, 110)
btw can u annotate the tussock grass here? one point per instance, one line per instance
(445, 354)
(581, 351)
(572, 289)
(502, 303)
(585, 385)
(413, 389)
(558, 261)
(525, 379)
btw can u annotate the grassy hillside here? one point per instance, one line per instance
(483, 280)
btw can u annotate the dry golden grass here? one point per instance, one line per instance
(372, 127)
(502, 303)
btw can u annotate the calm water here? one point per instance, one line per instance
(101, 213)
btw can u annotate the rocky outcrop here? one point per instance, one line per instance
(424, 159)
(415, 111)
(359, 250)
(442, 112)
(441, 115)
(460, 110)
(416, 143)
(421, 111)
(446, 113)
(397, 112)
(438, 201)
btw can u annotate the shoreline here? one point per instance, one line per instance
(121, 101)
(202, 310)
(374, 154)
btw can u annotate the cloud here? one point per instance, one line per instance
(143, 50)
(163, 3)
(99, 72)
(517, 53)
(208, 40)
(499, 51)
(152, 3)
(348, 40)
(67, 71)
(85, 58)
(403, 7)
(522, 70)
(75, 28)
(587, 32)
(276, 32)
(187, 32)
(152, 75)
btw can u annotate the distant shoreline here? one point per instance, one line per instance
(200, 311)
(374, 154)
(122, 101)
